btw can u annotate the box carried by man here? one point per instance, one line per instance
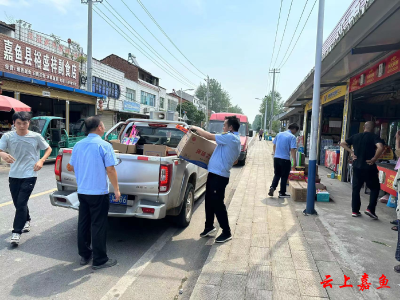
(195, 149)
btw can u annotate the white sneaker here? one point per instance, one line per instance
(27, 227)
(15, 238)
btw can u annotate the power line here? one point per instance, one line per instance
(284, 30)
(291, 40)
(143, 41)
(159, 40)
(300, 33)
(159, 27)
(276, 33)
(136, 46)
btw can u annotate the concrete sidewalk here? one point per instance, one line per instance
(276, 251)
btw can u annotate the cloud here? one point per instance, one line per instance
(197, 6)
(60, 5)
(18, 3)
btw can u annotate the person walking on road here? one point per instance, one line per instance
(396, 187)
(224, 157)
(260, 134)
(284, 146)
(23, 147)
(368, 147)
(92, 160)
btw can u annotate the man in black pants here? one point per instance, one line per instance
(24, 148)
(284, 146)
(368, 147)
(224, 157)
(92, 161)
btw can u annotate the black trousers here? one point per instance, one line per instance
(398, 242)
(370, 177)
(214, 201)
(92, 227)
(260, 137)
(21, 189)
(281, 170)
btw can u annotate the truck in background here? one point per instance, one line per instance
(216, 125)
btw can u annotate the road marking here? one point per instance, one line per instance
(117, 291)
(32, 196)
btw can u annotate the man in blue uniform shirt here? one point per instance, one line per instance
(92, 161)
(224, 157)
(284, 146)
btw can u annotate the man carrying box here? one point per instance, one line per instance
(284, 145)
(224, 157)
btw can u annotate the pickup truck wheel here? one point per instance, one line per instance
(184, 217)
(242, 162)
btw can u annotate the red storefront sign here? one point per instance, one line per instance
(24, 59)
(379, 71)
(387, 186)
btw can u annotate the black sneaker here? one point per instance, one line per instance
(224, 237)
(284, 195)
(372, 215)
(110, 263)
(397, 269)
(271, 191)
(208, 231)
(356, 214)
(85, 261)
(394, 222)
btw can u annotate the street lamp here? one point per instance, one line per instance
(180, 106)
(266, 110)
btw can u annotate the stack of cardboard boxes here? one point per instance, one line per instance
(298, 181)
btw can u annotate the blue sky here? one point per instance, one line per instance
(231, 41)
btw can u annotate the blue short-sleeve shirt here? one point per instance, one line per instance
(225, 154)
(284, 141)
(90, 158)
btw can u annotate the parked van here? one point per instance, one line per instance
(216, 125)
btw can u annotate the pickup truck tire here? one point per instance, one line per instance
(242, 162)
(184, 217)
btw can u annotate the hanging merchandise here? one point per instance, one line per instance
(392, 202)
(133, 137)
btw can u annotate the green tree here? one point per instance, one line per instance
(236, 109)
(278, 107)
(219, 99)
(195, 116)
(257, 123)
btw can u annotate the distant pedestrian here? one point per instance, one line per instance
(284, 146)
(368, 147)
(260, 134)
(23, 147)
(92, 161)
(396, 186)
(224, 157)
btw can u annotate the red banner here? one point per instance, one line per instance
(379, 71)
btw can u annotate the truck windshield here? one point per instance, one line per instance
(159, 136)
(37, 125)
(216, 127)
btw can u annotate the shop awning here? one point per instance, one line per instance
(7, 104)
(378, 25)
(287, 114)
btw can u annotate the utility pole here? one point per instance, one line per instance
(312, 164)
(207, 95)
(265, 114)
(273, 71)
(89, 46)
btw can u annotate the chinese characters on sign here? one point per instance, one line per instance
(24, 59)
(365, 285)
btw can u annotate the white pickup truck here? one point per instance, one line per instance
(151, 187)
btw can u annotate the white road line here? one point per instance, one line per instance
(134, 272)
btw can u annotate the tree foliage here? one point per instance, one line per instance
(257, 123)
(278, 108)
(219, 99)
(195, 116)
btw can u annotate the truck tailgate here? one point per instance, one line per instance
(136, 174)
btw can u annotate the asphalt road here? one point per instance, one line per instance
(155, 258)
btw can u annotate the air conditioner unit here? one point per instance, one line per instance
(146, 110)
(158, 115)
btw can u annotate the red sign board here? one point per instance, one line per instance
(23, 59)
(379, 71)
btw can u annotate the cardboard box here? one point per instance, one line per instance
(122, 148)
(196, 149)
(297, 175)
(155, 150)
(306, 169)
(298, 190)
(323, 196)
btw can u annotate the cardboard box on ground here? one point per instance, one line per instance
(196, 149)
